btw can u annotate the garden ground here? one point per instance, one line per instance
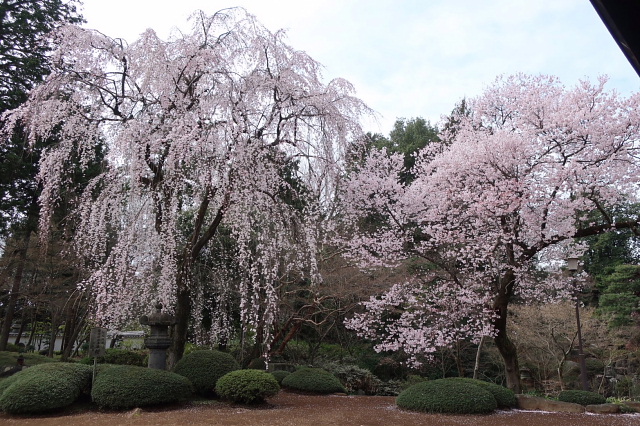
(288, 409)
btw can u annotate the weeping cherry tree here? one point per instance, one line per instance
(197, 131)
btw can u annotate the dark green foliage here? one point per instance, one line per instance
(313, 380)
(620, 298)
(119, 357)
(128, 386)
(279, 375)
(257, 364)
(408, 137)
(44, 387)
(9, 359)
(354, 378)
(505, 398)
(204, 368)
(581, 397)
(447, 396)
(594, 367)
(247, 386)
(23, 55)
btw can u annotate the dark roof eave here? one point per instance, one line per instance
(622, 18)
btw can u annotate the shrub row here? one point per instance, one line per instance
(44, 387)
(581, 397)
(457, 395)
(313, 380)
(505, 398)
(120, 357)
(128, 386)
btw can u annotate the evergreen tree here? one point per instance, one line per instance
(24, 62)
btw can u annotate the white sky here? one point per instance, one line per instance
(411, 58)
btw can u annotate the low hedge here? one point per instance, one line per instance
(581, 397)
(247, 386)
(447, 396)
(204, 368)
(280, 375)
(313, 380)
(119, 357)
(44, 387)
(128, 386)
(10, 359)
(505, 398)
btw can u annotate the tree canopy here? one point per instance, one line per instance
(199, 132)
(525, 165)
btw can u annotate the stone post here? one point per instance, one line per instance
(158, 341)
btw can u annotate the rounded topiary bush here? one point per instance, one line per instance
(313, 380)
(247, 386)
(204, 368)
(581, 397)
(505, 398)
(128, 386)
(447, 396)
(44, 387)
(280, 375)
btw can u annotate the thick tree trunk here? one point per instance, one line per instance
(13, 296)
(78, 323)
(510, 357)
(505, 346)
(181, 327)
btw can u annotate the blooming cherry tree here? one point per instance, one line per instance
(529, 168)
(197, 132)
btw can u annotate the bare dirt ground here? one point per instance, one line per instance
(288, 409)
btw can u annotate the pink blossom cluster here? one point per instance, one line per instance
(196, 132)
(529, 167)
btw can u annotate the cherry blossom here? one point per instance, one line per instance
(196, 132)
(530, 169)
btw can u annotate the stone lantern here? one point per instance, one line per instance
(158, 341)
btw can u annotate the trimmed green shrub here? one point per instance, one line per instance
(247, 386)
(354, 378)
(504, 397)
(204, 368)
(128, 386)
(581, 397)
(44, 387)
(412, 379)
(447, 396)
(119, 357)
(9, 359)
(313, 380)
(279, 375)
(11, 347)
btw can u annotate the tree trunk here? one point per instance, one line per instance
(458, 360)
(13, 296)
(78, 325)
(476, 366)
(53, 334)
(505, 346)
(181, 327)
(23, 325)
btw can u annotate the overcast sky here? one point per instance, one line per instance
(411, 58)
